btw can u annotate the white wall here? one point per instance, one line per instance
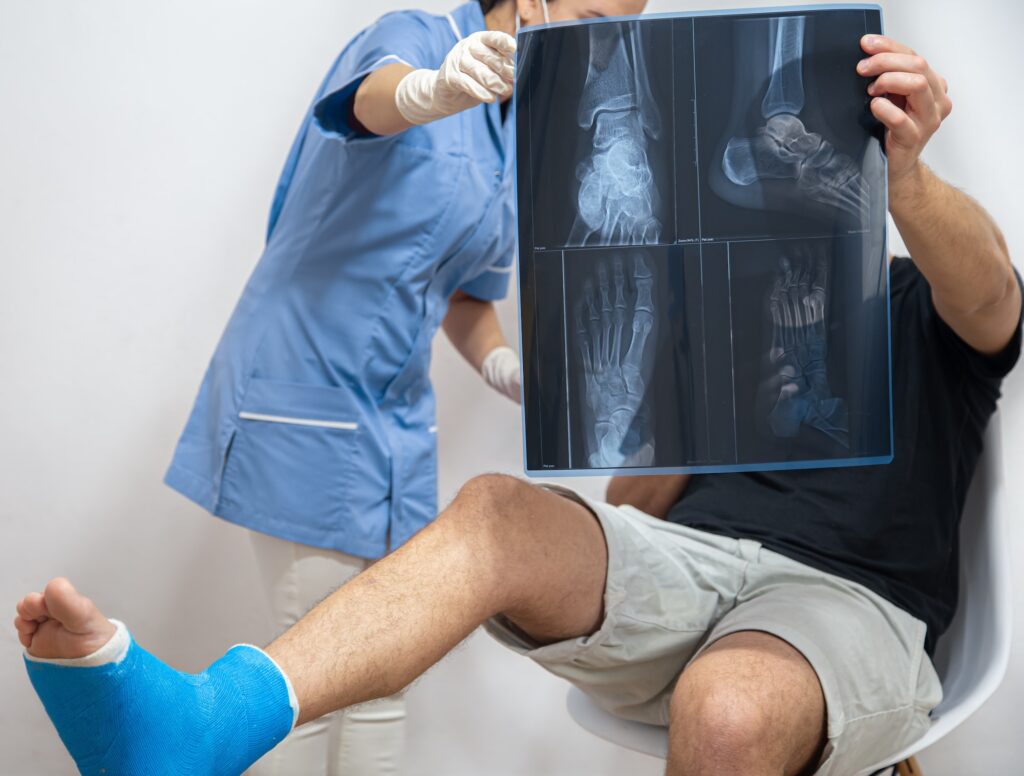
(139, 146)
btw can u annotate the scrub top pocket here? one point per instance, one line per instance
(291, 459)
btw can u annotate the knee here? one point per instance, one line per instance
(718, 728)
(493, 503)
(492, 498)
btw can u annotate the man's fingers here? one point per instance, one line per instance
(918, 91)
(876, 44)
(905, 132)
(884, 62)
(926, 107)
(881, 64)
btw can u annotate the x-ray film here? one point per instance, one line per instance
(703, 270)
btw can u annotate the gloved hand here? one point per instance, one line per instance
(501, 371)
(479, 68)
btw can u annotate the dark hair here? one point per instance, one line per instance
(488, 5)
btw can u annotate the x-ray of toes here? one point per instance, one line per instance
(703, 279)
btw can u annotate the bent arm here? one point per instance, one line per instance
(472, 327)
(654, 494)
(374, 107)
(951, 238)
(960, 250)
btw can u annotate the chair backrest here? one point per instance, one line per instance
(971, 657)
(973, 654)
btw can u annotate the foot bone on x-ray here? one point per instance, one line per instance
(784, 149)
(616, 194)
(799, 353)
(614, 323)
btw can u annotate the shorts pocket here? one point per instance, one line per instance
(291, 459)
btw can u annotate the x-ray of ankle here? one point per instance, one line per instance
(784, 149)
(701, 243)
(615, 340)
(798, 357)
(615, 192)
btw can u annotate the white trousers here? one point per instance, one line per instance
(365, 741)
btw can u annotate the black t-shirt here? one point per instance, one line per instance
(892, 528)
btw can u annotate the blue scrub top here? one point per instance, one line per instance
(315, 420)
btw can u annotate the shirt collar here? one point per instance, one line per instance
(469, 18)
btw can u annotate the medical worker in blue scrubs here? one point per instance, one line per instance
(314, 426)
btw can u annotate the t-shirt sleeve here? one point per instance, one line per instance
(989, 368)
(403, 37)
(491, 284)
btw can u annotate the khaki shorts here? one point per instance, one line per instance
(671, 591)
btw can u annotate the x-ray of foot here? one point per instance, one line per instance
(784, 149)
(798, 357)
(616, 195)
(615, 339)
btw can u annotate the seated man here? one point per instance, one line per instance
(776, 623)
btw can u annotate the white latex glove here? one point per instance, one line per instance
(501, 371)
(479, 68)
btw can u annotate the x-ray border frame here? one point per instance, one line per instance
(828, 463)
(762, 11)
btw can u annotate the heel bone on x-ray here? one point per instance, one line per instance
(784, 148)
(703, 281)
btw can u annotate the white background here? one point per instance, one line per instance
(139, 147)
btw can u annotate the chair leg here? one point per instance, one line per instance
(909, 767)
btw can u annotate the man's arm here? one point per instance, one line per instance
(654, 494)
(952, 240)
(961, 251)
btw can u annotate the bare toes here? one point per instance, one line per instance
(74, 611)
(33, 607)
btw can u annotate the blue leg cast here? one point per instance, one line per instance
(139, 716)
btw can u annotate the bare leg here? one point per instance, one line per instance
(502, 547)
(751, 705)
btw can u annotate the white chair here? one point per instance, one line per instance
(972, 655)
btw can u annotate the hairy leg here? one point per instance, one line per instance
(503, 546)
(751, 705)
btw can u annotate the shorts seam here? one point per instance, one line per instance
(872, 715)
(660, 626)
(920, 631)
